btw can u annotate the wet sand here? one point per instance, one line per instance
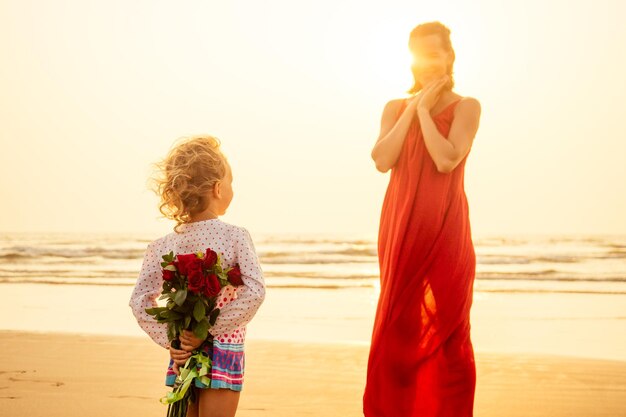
(61, 374)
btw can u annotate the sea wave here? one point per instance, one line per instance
(594, 264)
(328, 285)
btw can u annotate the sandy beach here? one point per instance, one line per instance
(70, 350)
(71, 375)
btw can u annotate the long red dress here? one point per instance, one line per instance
(421, 359)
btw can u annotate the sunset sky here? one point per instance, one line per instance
(93, 92)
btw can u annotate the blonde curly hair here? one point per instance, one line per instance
(186, 176)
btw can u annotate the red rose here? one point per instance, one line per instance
(209, 259)
(211, 286)
(195, 278)
(168, 275)
(186, 261)
(234, 276)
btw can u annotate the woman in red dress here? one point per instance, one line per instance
(421, 359)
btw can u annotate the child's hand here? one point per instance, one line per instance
(189, 341)
(175, 368)
(179, 357)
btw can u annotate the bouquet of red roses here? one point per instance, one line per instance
(191, 284)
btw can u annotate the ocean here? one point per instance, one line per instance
(559, 264)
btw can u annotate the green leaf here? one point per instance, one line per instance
(179, 309)
(179, 297)
(153, 311)
(171, 315)
(171, 333)
(202, 329)
(191, 298)
(213, 316)
(187, 322)
(218, 264)
(198, 311)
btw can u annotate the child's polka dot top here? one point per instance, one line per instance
(234, 246)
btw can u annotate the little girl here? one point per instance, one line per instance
(195, 188)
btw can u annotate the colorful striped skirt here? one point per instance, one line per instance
(227, 367)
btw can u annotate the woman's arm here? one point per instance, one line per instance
(392, 133)
(447, 153)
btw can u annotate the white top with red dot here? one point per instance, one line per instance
(234, 245)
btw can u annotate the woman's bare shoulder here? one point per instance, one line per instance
(467, 100)
(395, 103)
(392, 108)
(468, 104)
